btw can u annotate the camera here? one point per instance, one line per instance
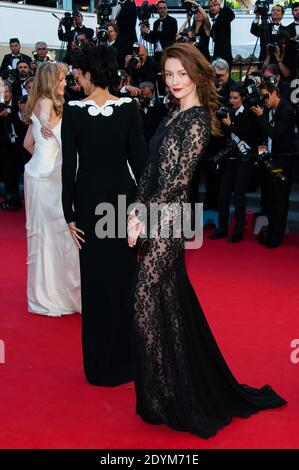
(191, 8)
(272, 47)
(104, 10)
(222, 112)
(145, 11)
(266, 159)
(102, 35)
(10, 75)
(2, 107)
(136, 59)
(70, 79)
(232, 150)
(68, 20)
(253, 95)
(262, 8)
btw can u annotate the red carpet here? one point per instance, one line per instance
(251, 299)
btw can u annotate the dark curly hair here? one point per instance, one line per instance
(100, 61)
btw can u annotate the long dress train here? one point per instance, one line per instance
(181, 377)
(53, 284)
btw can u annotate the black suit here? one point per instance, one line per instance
(265, 33)
(277, 192)
(166, 36)
(62, 36)
(9, 155)
(126, 23)
(8, 60)
(236, 173)
(291, 29)
(221, 34)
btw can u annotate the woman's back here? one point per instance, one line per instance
(105, 138)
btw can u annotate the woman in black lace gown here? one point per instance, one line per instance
(181, 377)
(106, 132)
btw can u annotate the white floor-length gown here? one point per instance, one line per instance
(53, 284)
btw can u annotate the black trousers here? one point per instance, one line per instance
(10, 168)
(234, 180)
(277, 204)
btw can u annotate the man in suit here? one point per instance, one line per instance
(126, 17)
(243, 131)
(268, 32)
(8, 150)
(18, 87)
(13, 58)
(293, 28)
(164, 30)
(221, 30)
(78, 28)
(277, 122)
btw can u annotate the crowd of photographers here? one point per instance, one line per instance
(258, 117)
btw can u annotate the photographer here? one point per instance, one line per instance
(73, 24)
(18, 87)
(140, 66)
(200, 30)
(267, 31)
(276, 122)
(223, 84)
(293, 28)
(283, 53)
(221, 18)
(126, 23)
(41, 53)
(271, 73)
(244, 135)
(164, 30)
(13, 58)
(152, 111)
(8, 149)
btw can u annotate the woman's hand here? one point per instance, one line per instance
(46, 130)
(75, 232)
(135, 228)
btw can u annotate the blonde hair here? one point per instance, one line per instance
(201, 73)
(44, 86)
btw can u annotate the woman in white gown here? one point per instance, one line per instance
(53, 285)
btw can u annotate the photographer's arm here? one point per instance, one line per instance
(279, 56)
(280, 127)
(167, 35)
(255, 28)
(267, 58)
(61, 34)
(183, 25)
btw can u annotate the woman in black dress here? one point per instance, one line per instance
(181, 378)
(106, 132)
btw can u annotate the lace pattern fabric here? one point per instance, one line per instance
(181, 377)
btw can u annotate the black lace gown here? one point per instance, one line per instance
(181, 377)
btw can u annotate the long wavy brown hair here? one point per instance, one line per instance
(201, 73)
(44, 86)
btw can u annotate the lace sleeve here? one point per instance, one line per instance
(144, 182)
(181, 156)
